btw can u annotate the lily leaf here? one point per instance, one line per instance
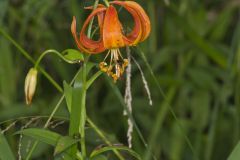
(112, 148)
(68, 95)
(73, 55)
(64, 143)
(42, 135)
(5, 150)
(235, 153)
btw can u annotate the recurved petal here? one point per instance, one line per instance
(74, 33)
(91, 7)
(136, 34)
(94, 46)
(112, 30)
(80, 46)
(145, 22)
(100, 15)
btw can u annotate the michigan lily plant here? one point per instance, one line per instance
(111, 39)
(111, 35)
(119, 79)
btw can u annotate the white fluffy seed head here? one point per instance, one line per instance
(128, 98)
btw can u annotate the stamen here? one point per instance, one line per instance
(117, 62)
(119, 53)
(107, 55)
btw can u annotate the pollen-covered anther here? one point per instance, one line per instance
(103, 66)
(109, 73)
(115, 78)
(116, 66)
(109, 70)
(125, 63)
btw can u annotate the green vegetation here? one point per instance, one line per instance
(191, 62)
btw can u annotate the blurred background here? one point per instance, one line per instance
(193, 49)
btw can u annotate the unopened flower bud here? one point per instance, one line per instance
(30, 85)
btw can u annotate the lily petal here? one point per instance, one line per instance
(136, 34)
(74, 33)
(94, 46)
(145, 22)
(91, 7)
(112, 30)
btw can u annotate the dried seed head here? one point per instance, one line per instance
(30, 85)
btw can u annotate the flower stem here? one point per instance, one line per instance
(82, 127)
(28, 57)
(50, 117)
(48, 52)
(91, 22)
(106, 2)
(85, 86)
(101, 134)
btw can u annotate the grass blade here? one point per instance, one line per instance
(64, 143)
(42, 135)
(139, 51)
(5, 150)
(235, 153)
(112, 148)
(121, 99)
(28, 57)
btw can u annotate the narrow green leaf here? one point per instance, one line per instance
(68, 95)
(75, 116)
(220, 28)
(64, 143)
(235, 153)
(68, 89)
(73, 55)
(93, 78)
(78, 112)
(28, 57)
(99, 157)
(5, 150)
(101, 134)
(3, 9)
(78, 101)
(42, 135)
(7, 72)
(207, 48)
(65, 155)
(168, 106)
(112, 148)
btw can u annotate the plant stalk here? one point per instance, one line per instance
(50, 118)
(28, 57)
(106, 2)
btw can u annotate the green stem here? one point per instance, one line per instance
(85, 86)
(212, 131)
(92, 79)
(91, 22)
(168, 106)
(50, 117)
(28, 57)
(32, 149)
(82, 127)
(106, 2)
(48, 52)
(101, 134)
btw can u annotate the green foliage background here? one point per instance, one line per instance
(194, 50)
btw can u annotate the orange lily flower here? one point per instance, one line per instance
(111, 34)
